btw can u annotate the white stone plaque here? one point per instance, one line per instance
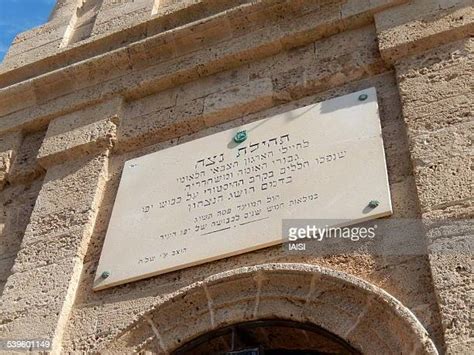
(212, 198)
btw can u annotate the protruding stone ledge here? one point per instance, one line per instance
(81, 133)
(298, 26)
(422, 25)
(107, 39)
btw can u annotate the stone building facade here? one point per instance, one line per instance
(104, 81)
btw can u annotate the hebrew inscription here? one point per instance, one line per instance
(212, 198)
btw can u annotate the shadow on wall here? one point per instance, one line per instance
(17, 201)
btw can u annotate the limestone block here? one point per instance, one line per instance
(399, 165)
(212, 84)
(161, 125)
(51, 249)
(455, 141)
(31, 56)
(374, 323)
(405, 201)
(19, 97)
(451, 263)
(25, 167)
(142, 334)
(443, 83)
(357, 7)
(410, 281)
(449, 112)
(170, 325)
(438, 61)
(80, 133)
(459, 348)
(204, 35)
(328, 63)
(56, 224)
(151, 103)
(146, 53)
(238, 101)
(457, 210)
(46, 88)
(443, 182)
(33, 44)
(9, 145)
(402, 30)
(37, 37)
(32, 301)
(69, 197)
(16, 204)
(119, 14)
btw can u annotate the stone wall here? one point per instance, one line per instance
(106, 81)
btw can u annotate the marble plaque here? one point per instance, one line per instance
(213, 198)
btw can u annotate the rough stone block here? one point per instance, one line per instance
(440, 84)
(451, 265)
(34, 302)
(9, 145)
(16, 204)
(447, 112)
(455, 141)
(144, 54)
(32, 55)
(403, 31)
(25, 168)
(405, 199)
(238, 101)
(212, 84)
(52, 248)
(112, 10)
(32, 290)
(206, 34)
(458, 210)
(161, 125)
(37, 37)
(20, 96)
(80, 133)
(69, 197)
(443, 182)
(151, 103)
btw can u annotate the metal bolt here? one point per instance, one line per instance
(240, 137)
(105, 274)
(373, 203)
(363, 97)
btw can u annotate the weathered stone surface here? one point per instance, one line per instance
(16, 204)
(81, 133)
(23, 310)
(402, 30)
(69, 197)
(25, 167)
(9, 145)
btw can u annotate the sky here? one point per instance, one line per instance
(20, 15)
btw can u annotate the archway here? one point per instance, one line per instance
(364, 316)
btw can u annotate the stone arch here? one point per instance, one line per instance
(365, 316)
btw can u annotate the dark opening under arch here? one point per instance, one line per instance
(268, 337)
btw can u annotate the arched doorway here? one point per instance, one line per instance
(268, 337)
(363, 315)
